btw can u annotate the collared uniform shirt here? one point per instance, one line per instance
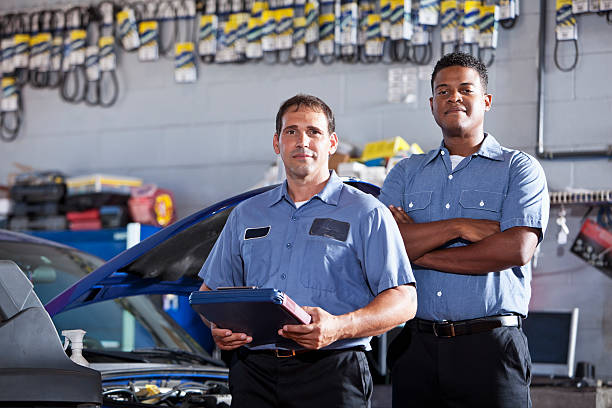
(495, 183)
(337, 251)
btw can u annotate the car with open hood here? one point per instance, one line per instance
(140, 353)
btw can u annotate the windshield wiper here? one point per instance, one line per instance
(179, 355)
(119, 355)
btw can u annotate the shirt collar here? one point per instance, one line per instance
(490, 148)
(329, 195)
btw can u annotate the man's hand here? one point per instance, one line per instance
(323, 330)
(227, 340)
(400, 215)
(476, 230)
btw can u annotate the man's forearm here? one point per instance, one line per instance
(389, 309)
(422, 238)
(513, 247)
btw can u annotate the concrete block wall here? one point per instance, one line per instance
(213, 139)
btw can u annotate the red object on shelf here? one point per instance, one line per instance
(88, 215)
(85, 225)
(152, 205)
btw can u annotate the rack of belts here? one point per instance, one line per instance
(566, 29)
(74, 48)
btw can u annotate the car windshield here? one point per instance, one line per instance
(124, 324)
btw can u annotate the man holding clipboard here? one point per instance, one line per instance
(334, 250)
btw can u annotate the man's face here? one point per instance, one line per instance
(459, 101)
(305, 143)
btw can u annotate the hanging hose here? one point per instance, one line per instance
(21, 40)
(73, 82)
(207, 34)
(556, 56)
(11, 107)
(565, 30)
(108, 83)
(40, 54)
(168, 28)
(92, 57)
(58, 23)
(185, 70)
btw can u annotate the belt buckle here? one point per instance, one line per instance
(437, 325)
(280, 353)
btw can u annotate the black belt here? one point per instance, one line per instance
(462, 327)
(284, 353)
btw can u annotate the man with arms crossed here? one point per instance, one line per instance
(331, 248)
(471, 214)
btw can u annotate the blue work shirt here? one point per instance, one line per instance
(495, 183)
(339, 263)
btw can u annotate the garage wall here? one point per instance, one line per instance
(212, 139)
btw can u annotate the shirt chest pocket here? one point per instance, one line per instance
(417, 205)
(480, 204)
(257, 256)
(328, 263)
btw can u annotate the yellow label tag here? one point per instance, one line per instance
(326, 18)
(487, 10)
(163, 209)
(104, 41)
(374, 19)
(230, 26)
(299, 22)
(447, 5)
(395, 4)
(78, 35)
(34, 40)
(147, 26)
(259, 6)
(8, 81)
(122, 16)
(254, 22)
(184, 47)
(310, 6)
(471, 6)
(21, 38)
(207, 19)
(562, 3)
(268, 15)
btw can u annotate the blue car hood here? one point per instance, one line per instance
(166, 262)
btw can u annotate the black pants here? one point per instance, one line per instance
(310, 380)
(490, 369)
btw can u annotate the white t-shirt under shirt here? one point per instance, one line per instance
(298, 204)
(455, 160)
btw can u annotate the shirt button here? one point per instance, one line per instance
(283, 276)
(439, 293)
(481, 203)
(442, 152)
(289, 245)
(293, 218)
(410, 205)
(450, 176)
(447, 206)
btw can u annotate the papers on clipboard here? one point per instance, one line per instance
(260, 313)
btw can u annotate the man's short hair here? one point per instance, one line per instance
(305, 101)
(462, 59)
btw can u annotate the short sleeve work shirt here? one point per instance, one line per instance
(495, 183)
(337, 251)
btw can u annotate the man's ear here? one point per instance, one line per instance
(488, 100)
(275, 143)
(431, 103)
(333, 139)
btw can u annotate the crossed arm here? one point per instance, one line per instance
(491, 249)
(390, 308)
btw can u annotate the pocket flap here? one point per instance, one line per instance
(416, 201)
(481, 200)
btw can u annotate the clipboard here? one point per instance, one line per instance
(260, 313)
